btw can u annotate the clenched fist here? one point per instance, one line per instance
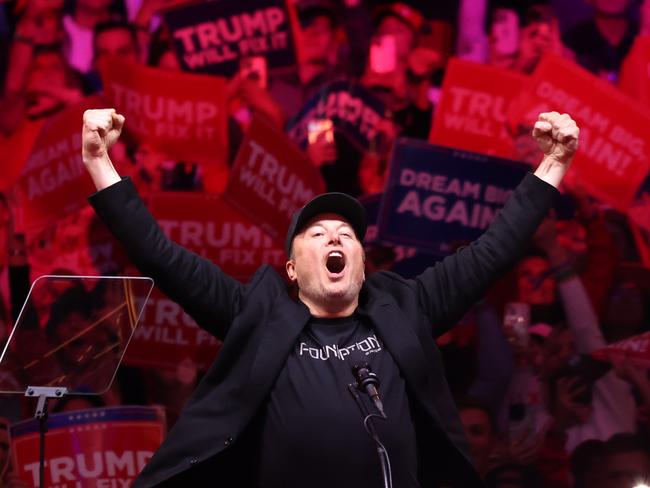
(557, 136)
(101, 129)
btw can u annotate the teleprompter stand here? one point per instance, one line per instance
(43, 393)
(71, 335)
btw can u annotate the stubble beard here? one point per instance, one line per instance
(330, 294)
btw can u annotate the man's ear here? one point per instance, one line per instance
(290, 266)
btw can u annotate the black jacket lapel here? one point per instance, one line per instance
(281, 330)
(402, 342)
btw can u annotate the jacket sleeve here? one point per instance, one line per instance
(205, 292)
(448, 288)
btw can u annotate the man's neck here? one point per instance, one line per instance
(331, 309)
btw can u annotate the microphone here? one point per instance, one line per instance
(368, 382)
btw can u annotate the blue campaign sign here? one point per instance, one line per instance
(212, 37)
(353, 110)
(408, 261)
(437, 197)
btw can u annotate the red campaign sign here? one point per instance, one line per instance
(181, 114)
(167, 337)
(271, 179)
(473, 109)
(103, 447)
(54, 181)
(636, 348)
(611, 161)
(208, 226)
(15, 151)
(634, 76)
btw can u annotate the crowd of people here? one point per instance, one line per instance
(538, 409)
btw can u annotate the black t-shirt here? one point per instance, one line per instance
(312, 431)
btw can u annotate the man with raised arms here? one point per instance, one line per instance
(273, 411)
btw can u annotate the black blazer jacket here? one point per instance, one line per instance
(259, 323)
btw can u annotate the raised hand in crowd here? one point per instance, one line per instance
(142, 21)
(322, 150)
(539, 36)
(567, 408)
(256, 97)
(374, 163)
(38, 25)
(149, 8)
(422, 61)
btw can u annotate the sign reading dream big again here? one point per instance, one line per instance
(437, 197)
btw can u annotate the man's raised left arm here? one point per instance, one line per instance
(452, 285)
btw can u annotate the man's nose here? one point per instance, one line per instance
(334, 239)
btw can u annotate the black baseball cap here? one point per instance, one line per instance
(338, 203)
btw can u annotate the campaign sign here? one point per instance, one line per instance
(371, 204)
(611, 161)
(101, 447)
(636, 348)
(54, 182)
(183, 115)
(354, 112)
(15, 151)
(210, 227)
(271, 179)
(404, 260)
(166, 336)
(437, 197)
(473, 109)
(211, 37)
(634, 76)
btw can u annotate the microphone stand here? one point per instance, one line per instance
(382, 453)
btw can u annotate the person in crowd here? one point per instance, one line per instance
(602, 42)
(39, 82)
(539, 35)
(626, 461)
(111, 38)
(481, 434)
(321, 59)
(603, 403)
(79, 24)
(586, 462)
(402, 84)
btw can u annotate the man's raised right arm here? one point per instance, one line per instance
(209, 295)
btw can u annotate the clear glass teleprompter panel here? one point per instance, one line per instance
(72, 332)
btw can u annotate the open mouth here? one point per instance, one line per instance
(335, 262)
